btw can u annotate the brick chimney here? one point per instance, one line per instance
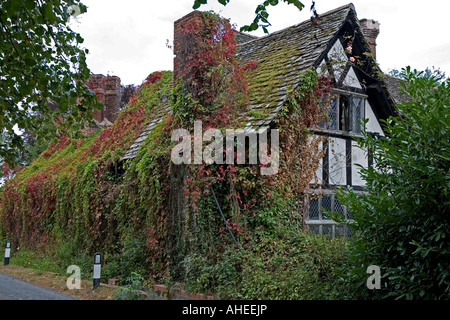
(96, 84)
(183, 39)
(112, 98)
(107, 89)
(371, 29)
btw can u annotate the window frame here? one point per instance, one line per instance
(327, 125)
(320, 222)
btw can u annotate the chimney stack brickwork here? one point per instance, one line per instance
(112, 98)
(180, 48)
(371, 29)
(107, 89)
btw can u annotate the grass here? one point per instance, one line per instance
(33, 260)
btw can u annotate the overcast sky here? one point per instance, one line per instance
(128, 38)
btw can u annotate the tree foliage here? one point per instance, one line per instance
(42, 71)
(433, 71)
(402, 224)
(261, 12)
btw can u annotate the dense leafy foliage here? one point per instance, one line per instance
(42, 72)
(402, 223)
(152, 217)
(59, 194)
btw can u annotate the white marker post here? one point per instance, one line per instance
(97, 267)
(7, 252)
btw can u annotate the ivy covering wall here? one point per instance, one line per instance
(150, 216)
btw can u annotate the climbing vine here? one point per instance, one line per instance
(160, 217)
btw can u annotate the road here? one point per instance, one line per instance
(12, 288)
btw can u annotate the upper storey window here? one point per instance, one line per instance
(345, 113)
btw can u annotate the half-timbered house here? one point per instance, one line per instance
(336, 44)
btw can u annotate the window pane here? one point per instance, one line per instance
(333, 115)
(349, 215)
(343, 113)
(327, 229)
(314, 229)
(338, 207)
(321, 222)
(342, 231)
(313, 209)
(331, 120)
(357, 114)
(326, 204)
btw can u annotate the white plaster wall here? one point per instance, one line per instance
(373, 125)
(337, 161)
(338, 59)
(351, 79)
(318, 178)
(359, 157)
(322, 69)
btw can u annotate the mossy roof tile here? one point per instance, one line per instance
(281, 57)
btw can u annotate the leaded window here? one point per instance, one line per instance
(316, 218)
(345, 113)
(356, 114)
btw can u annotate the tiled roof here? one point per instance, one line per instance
(155, 119)
(393, 85)
(241, 37)
(281, 57)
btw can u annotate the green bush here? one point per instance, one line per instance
(55, 258)
(402, 224)
(132, 289)
(130, 258)
(296, 266)
(68, 253)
